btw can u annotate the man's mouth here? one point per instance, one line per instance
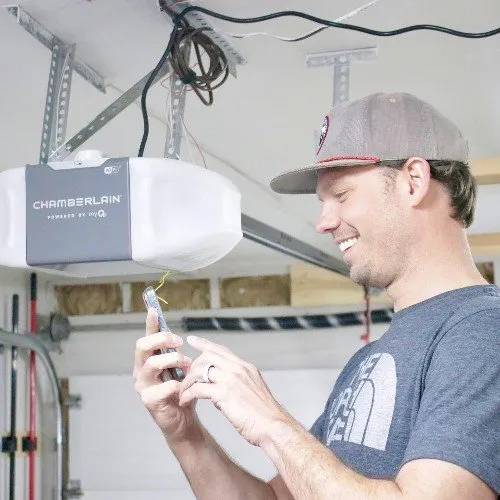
(344, 245)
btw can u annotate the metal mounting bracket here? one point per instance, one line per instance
(57, 100)
(44, 36)
(341, 62)
(73, 401)
(177, 104)
(114, 109)
(74, 489)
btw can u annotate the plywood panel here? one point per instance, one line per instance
(255, 291)
(75, 300)
(313, 286)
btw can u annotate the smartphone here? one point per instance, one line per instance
(151, 300)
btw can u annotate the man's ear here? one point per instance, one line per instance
(417, 179)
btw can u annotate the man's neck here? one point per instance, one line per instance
(435, 269)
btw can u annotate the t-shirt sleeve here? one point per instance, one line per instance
(458, 420)
(317, 429)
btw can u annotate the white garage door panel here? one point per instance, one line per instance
(115, 447)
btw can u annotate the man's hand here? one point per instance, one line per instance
(162, 398)
(236, 388)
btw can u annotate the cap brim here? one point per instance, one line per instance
(304, 180)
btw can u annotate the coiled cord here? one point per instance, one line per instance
(209, 78)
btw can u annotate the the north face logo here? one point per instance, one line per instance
(363, 412)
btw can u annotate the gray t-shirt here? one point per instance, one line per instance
(429, 388)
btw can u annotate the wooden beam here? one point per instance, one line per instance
(486, 170)
(312, 286)
(485, 244)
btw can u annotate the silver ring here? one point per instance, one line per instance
(206, 374)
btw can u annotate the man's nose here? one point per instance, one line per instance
(329, 219)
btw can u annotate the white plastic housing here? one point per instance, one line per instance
(183, 217)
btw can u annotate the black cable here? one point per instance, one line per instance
(145, 90)
(333, 24)
(183, 34)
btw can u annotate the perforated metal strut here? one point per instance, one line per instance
(105, 116)
(341, 63)
(46, 38)
(177, 105)
(57, 100)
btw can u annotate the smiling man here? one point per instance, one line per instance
(415, 414)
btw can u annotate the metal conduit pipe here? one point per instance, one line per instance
(33, 344)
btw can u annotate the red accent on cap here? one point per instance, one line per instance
(334, 158)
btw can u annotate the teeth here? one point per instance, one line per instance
(348, 244)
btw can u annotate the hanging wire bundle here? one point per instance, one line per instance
(207, 77)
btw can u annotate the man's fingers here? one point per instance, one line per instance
(198, 391)
(151, 322)
(155, 364)
(155, 396)
(195, 373)
(146, 346)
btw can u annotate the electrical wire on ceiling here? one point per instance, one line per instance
(195, 143)
(211, 77)
(309, 34)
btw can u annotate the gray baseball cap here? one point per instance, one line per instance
(375, 129)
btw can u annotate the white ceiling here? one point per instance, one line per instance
(263, 121)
